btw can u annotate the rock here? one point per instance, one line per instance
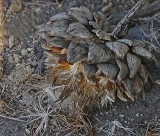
(137, 114)
(11, 41)
(121, 115)
(30, 49)
(24, 52)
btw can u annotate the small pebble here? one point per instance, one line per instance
(127, 107)
(121, 115)
(101, 114)
(24, 52)
(11, 41)
(7, 49)
(30, 49)
(137, 115)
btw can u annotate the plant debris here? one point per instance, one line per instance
(117, 62)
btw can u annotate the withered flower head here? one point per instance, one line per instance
(88, 61)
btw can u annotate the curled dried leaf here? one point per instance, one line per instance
(57, 28)
(90, 89)
(96, 18)
(43, 35)
(89, 70)
(94, 24)
(59, 17)
(87, 12)
(54, 50)
(97, 53)
(126, 41)
(58, 42)
(62, 65)
(110, 93)
(133, 63)
(109, 70)
(103, 35)
(138, 84)
(100, 22)
(143, 73)
(123, 72)
(133, 86)
(141, 51)
(81, 80)
(128, 86)
(79, 15)
(139, 43)
(79, 30)
(58, 57)
(101, 16)
(103, 23)
(119, 48)
(76, 52)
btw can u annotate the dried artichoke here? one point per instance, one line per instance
(88, 61)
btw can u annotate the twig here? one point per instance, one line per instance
(128, 17)
(11, 118)
(41, 3)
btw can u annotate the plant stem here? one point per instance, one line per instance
(128, 16)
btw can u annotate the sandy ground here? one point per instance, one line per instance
(24, 73)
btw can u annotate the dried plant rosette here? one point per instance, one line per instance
(88, 61)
